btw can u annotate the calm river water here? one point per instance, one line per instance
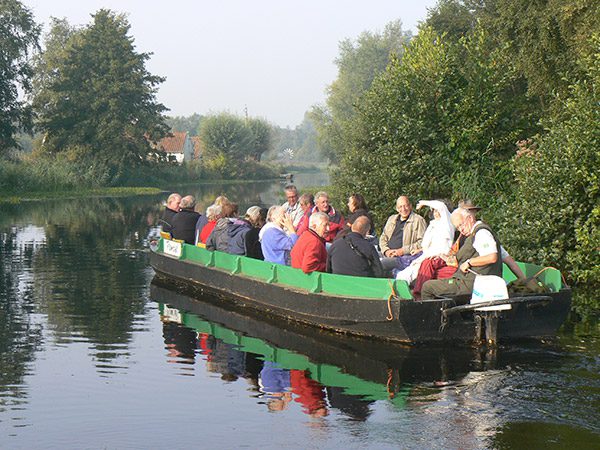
(94, 355)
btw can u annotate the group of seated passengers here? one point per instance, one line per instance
(313, 236)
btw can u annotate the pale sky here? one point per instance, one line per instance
(274, 57)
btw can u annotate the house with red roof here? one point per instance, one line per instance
(178, 147)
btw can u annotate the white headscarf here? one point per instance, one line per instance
(439, 235)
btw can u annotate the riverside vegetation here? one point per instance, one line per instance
(92, 103)
(496, 101)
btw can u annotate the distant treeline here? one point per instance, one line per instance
(496, 101)
(285, 145)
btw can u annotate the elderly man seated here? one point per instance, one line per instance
(292, 205)
(278, 236)
(353, 255)
(479, 254)
(184, 222)
(402, 236)
(336, 219)
(309, 253)
(171, 209)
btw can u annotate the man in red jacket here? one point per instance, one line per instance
(336, 219)
(309, 253)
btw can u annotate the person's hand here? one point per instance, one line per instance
(464, 267)
(419, 205)
(399, 252)
(287, 223)
(415, 251)
(390, 253)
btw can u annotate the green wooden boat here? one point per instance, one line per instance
(371, 308)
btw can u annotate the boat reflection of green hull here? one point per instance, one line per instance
(366, 368)
(363, 368)
(377, 309)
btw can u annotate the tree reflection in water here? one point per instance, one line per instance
(20, 335)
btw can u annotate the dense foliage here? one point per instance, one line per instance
(229, 139)
(563, 168)
(18, 38)
(97, 101)
(438, 123)
(444, 120)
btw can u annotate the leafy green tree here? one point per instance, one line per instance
(545, 39)
(261, 137)
(226, 136)
(455, 18)
(190, 124)
(557, 201)
(18, 39)
(97, 100)
(439, 123)
(358, 64)
(306, 141)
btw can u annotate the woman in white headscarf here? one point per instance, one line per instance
(437, 239)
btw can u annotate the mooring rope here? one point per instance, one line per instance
(393, 294)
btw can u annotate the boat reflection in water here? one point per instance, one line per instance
(286, 362)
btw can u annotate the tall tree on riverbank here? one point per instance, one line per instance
(18, 39)
(97, 102)
(545, 39)
(358, 64)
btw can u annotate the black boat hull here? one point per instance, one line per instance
(413, 322)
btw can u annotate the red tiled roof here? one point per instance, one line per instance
(173, 144)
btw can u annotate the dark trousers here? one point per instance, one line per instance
(445, 288)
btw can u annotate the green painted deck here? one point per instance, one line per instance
(326, 283)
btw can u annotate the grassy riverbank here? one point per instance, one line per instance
(80, 193)
(40, 178)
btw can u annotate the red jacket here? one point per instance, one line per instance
(208, 228)
(303, 224)
(309, 392)
(309, 253)
(336, 222)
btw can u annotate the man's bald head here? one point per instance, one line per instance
(361, 225)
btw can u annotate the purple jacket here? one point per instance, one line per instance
(276, 245)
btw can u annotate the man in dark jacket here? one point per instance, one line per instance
(171, 209)
(184, 222)
(353, 254)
